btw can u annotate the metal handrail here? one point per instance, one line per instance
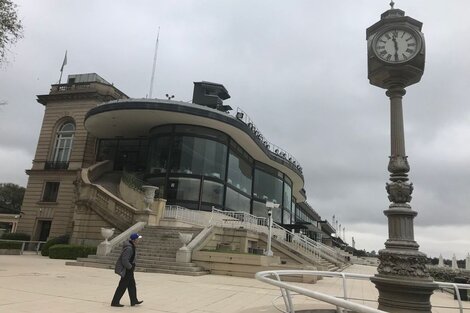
(24, 242)
(199, 218)
(236, 219)
(259, 224)
(286, 289)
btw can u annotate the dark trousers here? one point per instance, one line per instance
(126, 282)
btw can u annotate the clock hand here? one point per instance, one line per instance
(396, 47)
(395, 43)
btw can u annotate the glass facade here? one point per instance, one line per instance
(236, 201)
(240, 173)
(267, 187)
(213, 192)
(198, 156)
(127, 154)
(199, 167)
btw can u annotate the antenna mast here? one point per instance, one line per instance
(154, 64)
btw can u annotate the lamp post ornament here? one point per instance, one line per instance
(396, 56)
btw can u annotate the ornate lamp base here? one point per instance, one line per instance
(397, 295)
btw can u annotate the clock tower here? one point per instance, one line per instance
(395, 60)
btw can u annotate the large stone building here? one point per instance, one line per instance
(96, 144)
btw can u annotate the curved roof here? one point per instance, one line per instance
(132, 118)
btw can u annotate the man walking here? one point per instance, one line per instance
(125, 267)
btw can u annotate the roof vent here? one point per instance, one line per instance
(211, 95)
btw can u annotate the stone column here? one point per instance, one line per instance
(441, 261)
(403, 280)
(467, 262)
(454, 262)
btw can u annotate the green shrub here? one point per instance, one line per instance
(64, 239)
(70, 252)
(446, 274)
(16, 236)
(10, 245)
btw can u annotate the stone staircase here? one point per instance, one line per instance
(156, 253)
(328, 266)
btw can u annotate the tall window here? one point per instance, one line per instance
(51, 190)
(63, 142)
(239, 173)
(200, 156)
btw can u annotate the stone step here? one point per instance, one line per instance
(149, 256)
(140, 262)
(156, 253)
(142, 267)
(199, 272)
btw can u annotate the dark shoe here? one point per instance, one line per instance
(119, 305)
(138, 302)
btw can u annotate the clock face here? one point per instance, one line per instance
(396, 46)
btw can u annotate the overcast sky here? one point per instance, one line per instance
(298, 68)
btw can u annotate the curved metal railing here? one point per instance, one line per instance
(274, 278)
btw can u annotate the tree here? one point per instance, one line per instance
(11, 196)
(11, 29)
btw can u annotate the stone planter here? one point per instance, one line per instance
(149, 196)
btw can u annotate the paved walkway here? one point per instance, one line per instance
(31, 283)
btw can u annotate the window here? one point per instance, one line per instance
(51, 190)
(267, 187)
(63, 142)
(239, 173)
(287, 201)
(158, 156)
(200, 156)
(212, 192)
(183, 189)
(236, 201)
(259, 209)
(106, 150)
(286, 217)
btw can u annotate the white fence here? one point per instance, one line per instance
(300, 243)
(238, 219)
(199, 218)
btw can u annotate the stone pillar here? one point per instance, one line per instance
(454, 262)
(467, 262)
(403, 281)
(441, 261)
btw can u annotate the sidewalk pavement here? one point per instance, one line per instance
(32, 283)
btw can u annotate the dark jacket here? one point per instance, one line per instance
(126, 259)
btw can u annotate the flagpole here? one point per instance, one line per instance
(62, 67)
(154, 64)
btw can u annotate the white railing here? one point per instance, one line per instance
(302, 244)
(199, 218)
(274, 278)
(237, 219)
